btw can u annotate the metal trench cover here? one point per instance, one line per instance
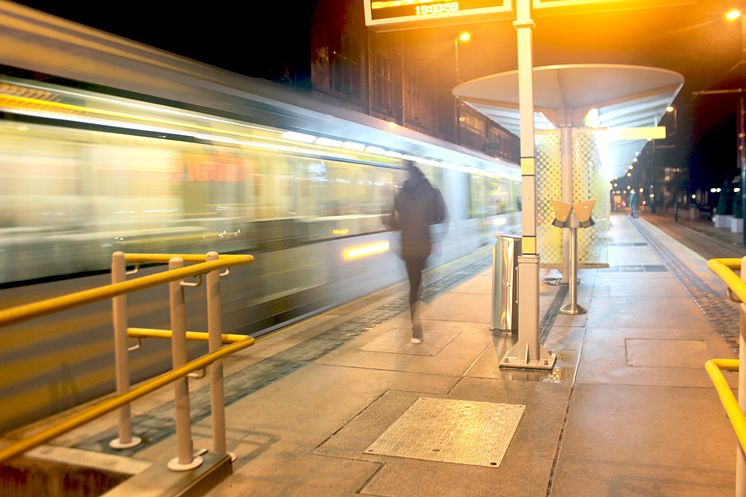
(454, 431)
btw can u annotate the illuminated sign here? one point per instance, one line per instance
(600, 5)
(405, 14)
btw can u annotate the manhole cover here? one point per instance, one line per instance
(455, 431)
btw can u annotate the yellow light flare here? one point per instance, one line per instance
(733, 14)
(396, 3)
(464, 37)
(340, 231)
(366, 250)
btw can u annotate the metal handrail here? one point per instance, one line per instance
(724, 269)
(210, 264)
(44, 307)
(118, 401)
(735, 415)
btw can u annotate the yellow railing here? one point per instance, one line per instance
(714, 368)
(57, 304)
(211, 264)
(725, 270)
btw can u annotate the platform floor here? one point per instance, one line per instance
(627, 411)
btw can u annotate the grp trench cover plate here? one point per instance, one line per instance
(454, 431)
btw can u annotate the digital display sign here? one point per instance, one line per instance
(406, 14)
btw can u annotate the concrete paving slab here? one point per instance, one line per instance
(453, 359)
(666, 353)
(644, 441)
(604, 361)
(661, 312)
(399, 343)
(461, 307)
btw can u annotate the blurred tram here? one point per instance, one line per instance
(107, 145)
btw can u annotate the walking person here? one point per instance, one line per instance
(417, 206)
(634, 202)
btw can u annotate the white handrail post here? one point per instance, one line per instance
(185, 450)
(215, 330)
(121, 354)
(740, 458)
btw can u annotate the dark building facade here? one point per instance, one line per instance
(404, 77)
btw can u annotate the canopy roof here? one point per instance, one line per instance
(594, 95)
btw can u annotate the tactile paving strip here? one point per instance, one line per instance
(723, 317)
(454, 431)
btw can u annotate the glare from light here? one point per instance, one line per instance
(353, 146)
(694, 196)
(736, 189)
(669, 109)
(713, 190)
(299, 137)
(733, 14)
(464, 37)
(634, 160)
(652, 195)
(719, 190)
(629, 187)
(641, 189)
(629, 175)
(366, 250)
(328, 142)
(615, 185)
(340, 231)
(500, 221)
(375, 150)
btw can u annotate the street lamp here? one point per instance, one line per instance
(462, 38)
(732, 15)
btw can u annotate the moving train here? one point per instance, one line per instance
(108, 145)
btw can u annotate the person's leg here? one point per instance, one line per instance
(414, 272)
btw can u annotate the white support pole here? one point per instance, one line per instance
(185, 450)
(528, 352)
(121, 354)
(215, 329)
(567, 190)
(740, 457)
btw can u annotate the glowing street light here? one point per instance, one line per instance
(733, 14)
(462, 38)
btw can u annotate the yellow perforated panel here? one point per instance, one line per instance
(548, 188)
(589, 183)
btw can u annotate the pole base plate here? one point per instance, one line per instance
(519, 357)
(572, 309)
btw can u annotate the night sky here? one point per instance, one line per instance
(259, 39)
(271, 40)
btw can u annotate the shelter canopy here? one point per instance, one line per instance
(615, 97)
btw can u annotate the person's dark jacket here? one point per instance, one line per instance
(417, 206)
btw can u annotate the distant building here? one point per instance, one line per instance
(399, 76)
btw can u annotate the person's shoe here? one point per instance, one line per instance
(417, 335)
(417, 340)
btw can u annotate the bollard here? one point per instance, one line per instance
(572, 307)
(505, 283)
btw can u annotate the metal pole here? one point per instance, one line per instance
(740, 124)
(528, 352)
(572, 307)
(185, 449)
(455, 46)
(121, 354)
(740, 458)
(215, 329)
